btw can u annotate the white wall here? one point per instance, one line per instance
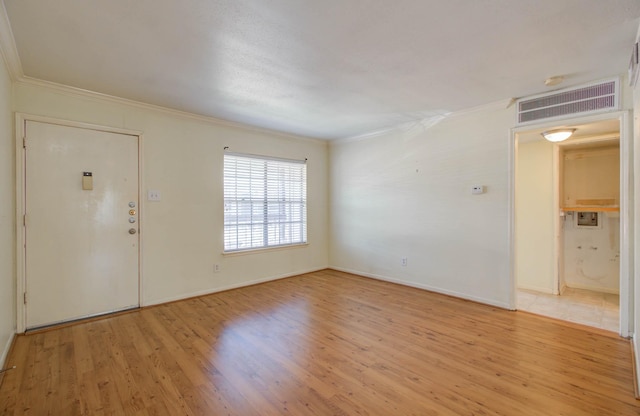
(182, 158)
(408, 194)
(534, 216)
(592, 255)
(7, 216)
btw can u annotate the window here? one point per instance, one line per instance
(265, 202)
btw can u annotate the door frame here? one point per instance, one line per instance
(21, 119)
(626, 208)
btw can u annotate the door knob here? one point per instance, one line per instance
(132, 230)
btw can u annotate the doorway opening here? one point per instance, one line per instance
(570, 216)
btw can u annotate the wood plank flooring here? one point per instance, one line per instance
(324, 343)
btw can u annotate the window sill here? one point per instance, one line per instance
(263, 250)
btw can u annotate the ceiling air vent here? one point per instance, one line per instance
(592, 98)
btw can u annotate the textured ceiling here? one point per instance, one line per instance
(326, 69)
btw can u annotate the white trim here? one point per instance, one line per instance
(5, 351)
(511, 226)
(626, 208)
(626, 224)
(563, 287)
(78, 124)
(265, 157)
(592, 288)
(141, 217)
(429, 288)
(636, 364)
(557, 224)
(8, 47)
(591, 118)
(21, 119)
(260, 250)
(100, 97)
(535, 289)
(20, 237)
(230, 287)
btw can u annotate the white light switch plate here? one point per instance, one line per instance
(153, 195)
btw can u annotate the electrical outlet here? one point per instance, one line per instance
(153, 195)
(478, 189)
(404, 262)
(216, 268)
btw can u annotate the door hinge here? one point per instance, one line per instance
(24, 142)
(24, 220)
(25, 298)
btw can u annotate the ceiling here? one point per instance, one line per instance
(324, 69)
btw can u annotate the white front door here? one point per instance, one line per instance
(81, 234)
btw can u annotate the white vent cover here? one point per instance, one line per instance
(593, 98)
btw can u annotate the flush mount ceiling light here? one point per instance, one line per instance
(558, 135)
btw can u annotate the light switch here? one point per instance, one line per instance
(153, 195)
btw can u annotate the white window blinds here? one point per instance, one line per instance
(265, 202)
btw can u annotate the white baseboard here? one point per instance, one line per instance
(5, 350)
(229, 287)
(615, 291)
(537, 289)
(455, 294)
(635, 355)
(562, 288)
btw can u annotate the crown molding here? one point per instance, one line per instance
(11, 58)
(100, 97)
(9, 53)
(8, 47)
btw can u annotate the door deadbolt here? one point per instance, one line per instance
(132, 212)
(132, 230)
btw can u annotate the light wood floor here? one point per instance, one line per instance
(325, 343)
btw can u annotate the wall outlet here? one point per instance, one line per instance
(216, 268)
(404, 262)
(153, 195)
(478, 189)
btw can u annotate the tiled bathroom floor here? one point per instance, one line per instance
(600, 310)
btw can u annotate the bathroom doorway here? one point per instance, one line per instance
(569, 215)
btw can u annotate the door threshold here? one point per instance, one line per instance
(77, 321)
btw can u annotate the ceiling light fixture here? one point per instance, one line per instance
(558, 135)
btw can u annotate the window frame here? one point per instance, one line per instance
(277, 207)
